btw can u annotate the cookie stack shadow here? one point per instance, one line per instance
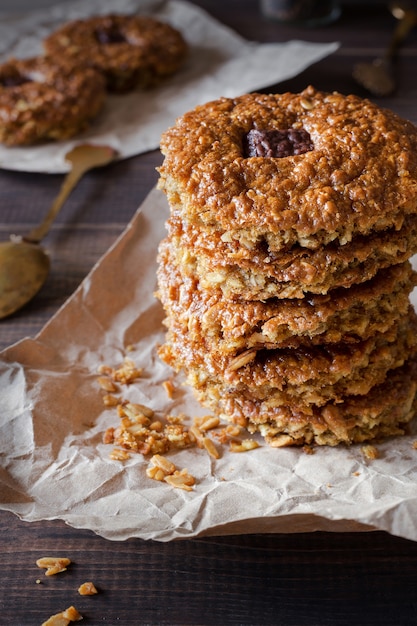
(285, 275)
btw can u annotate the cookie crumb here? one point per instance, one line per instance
(370, 452)
(87, 589)
(53, 565)
(64, 617)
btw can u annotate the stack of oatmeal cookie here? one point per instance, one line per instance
(285, 275)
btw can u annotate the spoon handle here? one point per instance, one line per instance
(407, 21)
(82, 158)
(38, 233)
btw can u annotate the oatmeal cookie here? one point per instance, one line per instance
(231, 326)
(352, 172)
(310, 375)
(259, 274)
(42, 99)
(130, 50)
(384, 412)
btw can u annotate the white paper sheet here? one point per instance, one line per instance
(220, 63)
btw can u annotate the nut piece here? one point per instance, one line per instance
(241, 360)
(110, 400)
(87, 589)
(207, 423)
(307, 104)
(108, 436)
(243, 446)
(136, 410)
(164, 470)
(181, 480)
(107, 384)
(72, 614)
(169, 387)
(57, 620)
(211, 448)
(53, 564)
(163, 463)
(281, 441)
(155, 473)
(197, 436)
(119, 455)
(127, 372)
(64, 618)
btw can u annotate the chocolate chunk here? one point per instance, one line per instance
(14, 80)
(109, 35)
(277, 143)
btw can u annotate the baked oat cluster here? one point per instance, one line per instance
(57, 95)
(285, 274)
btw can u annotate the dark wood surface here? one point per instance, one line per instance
(316, 579)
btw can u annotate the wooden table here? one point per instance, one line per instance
(290, 580)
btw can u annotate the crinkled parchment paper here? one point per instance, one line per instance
(220, 63)
(53, 463)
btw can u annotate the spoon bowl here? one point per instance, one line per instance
(24, 264)
(24, 268)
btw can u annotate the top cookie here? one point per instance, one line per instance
(130, 50)
(285, 169)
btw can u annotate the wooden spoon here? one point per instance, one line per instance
(24, 264)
